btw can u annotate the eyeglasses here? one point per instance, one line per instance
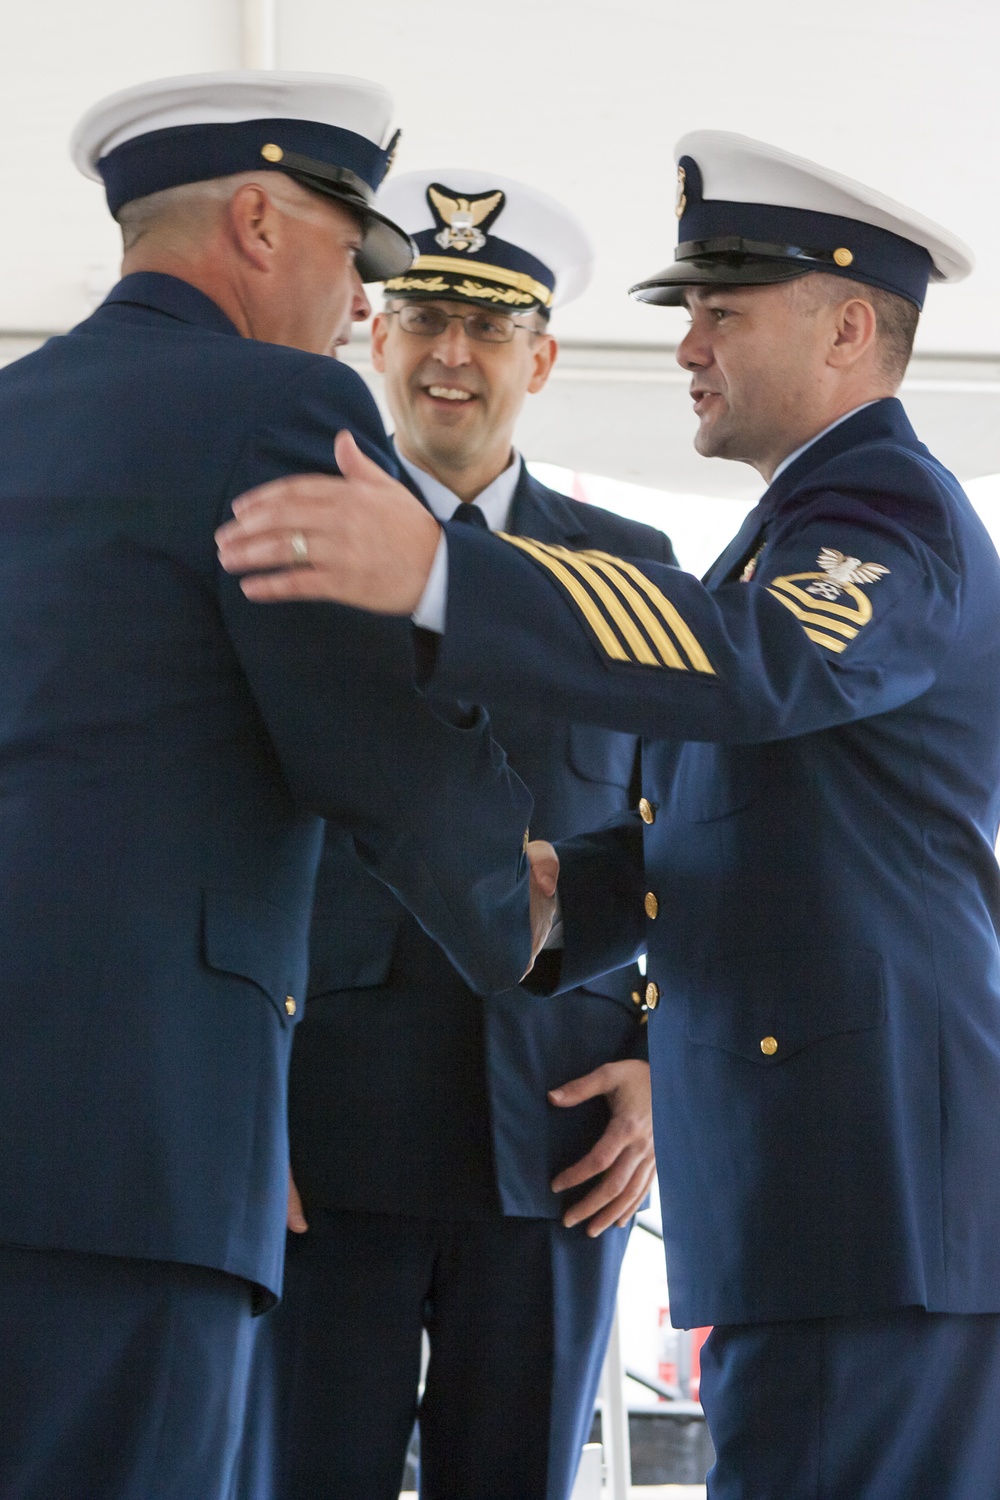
(482, 326)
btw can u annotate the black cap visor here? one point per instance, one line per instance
(667, 288)
(387, 250)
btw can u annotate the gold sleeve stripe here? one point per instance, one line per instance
(577, 592)
(616, 609)
(669, 654)
(860, 616)
(809, 618)
(825, 640)
(669, 612)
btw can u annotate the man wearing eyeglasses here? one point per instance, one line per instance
(467, 1167)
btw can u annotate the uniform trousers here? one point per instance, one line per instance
(120, 1379)
(902, 1405)
(518, 1313)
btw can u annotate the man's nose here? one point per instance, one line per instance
(453, 346)
(692, 353)
(361, 308)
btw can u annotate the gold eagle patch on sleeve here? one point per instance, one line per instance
(819, 601)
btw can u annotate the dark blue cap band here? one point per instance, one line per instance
(196, 153)
(878, 257)
(495, 252)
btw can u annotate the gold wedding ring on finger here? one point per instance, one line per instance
(300, 549)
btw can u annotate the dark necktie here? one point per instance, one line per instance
(471, 515)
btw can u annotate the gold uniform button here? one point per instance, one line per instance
(651, 905)
(652, 995)
(289, 1005)
(271, 153)
(646, 810)
(636, 998)
(768, 1045)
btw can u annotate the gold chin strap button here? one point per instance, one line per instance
(651, 906)
(768, 1045)
(652, 995)
(290, 1006)
(647, 812)
(271, 152)
(843, 257)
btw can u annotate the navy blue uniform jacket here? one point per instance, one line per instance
(167, 754)
(409, 1096)
(826, 1047)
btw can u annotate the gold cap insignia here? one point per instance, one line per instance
(463, 221)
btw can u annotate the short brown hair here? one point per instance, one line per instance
(896, 318)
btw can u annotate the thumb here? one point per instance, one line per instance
(352, 463)
(578, 1089)
(296, 1218)
(544, 862)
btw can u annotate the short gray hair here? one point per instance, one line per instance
(183, 215)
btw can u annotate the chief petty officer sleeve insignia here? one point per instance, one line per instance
(632, 620)
(820, 600)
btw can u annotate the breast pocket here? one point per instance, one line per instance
(714, 781)
(259, 942)
(602, 755)
(768, 1006)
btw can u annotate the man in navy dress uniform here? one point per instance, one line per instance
(819, 889)
(433, 1163)
(168, 755)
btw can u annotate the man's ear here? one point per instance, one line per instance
(855, 332)
(380, 332)
(254, 223)
(544, 355)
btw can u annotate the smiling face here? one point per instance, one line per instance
(767, 368)
(455, 400)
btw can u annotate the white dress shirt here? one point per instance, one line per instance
(494, 501)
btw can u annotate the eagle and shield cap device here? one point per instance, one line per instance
(752, 214)
(327, 132)
(488, 240)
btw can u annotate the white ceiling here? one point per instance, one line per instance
(582, 97)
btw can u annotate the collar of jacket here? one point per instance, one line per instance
(544, 514)
(884, 421)
(535, 510)
(168, 294)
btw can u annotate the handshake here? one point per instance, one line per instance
(544, 877)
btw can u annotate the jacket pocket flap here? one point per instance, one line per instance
(351, 955)
(259, 942)
(768, 1006)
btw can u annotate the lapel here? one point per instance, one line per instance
(544, 514)
(168, 294)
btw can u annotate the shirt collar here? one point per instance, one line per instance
(787, 462)
(494, 501)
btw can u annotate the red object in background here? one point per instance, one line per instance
(666, 1367)
(698, 1337)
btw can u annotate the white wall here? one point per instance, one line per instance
(584, 97)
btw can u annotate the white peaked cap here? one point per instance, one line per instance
(740, 169)
(530, 220)
(229, 99)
